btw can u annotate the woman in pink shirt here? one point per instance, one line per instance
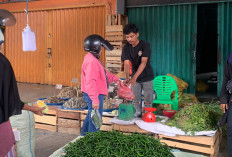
(95, 78)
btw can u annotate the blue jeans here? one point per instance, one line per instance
(88, 125)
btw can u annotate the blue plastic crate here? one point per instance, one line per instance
(84, 108)
(51, 104)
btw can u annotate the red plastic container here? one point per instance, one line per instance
(149, 116)
(169, 113)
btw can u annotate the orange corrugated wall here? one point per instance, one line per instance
(67, 29)
(70, 28)
(28, 66)
(58, 4)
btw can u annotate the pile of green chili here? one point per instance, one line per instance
(197, 117)
(116, 144)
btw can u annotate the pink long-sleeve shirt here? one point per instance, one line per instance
(93, 78)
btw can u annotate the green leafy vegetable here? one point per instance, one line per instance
(197, 117)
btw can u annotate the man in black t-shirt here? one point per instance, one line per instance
(138, 52)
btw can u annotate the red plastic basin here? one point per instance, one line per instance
(169, 113)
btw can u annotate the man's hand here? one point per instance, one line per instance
(223, 107)
(95, 106)
(132, 82)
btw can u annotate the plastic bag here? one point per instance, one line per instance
(29, 43)
(96, 118)
(125, 92)
(41, 104)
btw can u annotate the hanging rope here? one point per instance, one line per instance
(27, 6)
(27, 12)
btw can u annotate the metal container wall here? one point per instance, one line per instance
(62, 32)
(171, 31)
(224, 37)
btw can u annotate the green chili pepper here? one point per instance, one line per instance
(116, 144)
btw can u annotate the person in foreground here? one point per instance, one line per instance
(10, 103)
(225, 102)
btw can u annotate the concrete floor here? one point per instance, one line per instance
(31, 92)
(46, 141)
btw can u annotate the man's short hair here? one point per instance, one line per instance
(130, 28)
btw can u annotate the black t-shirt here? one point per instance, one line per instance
(135, 54)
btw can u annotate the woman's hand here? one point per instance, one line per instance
(38, 110)
(95, 106)
(223, 107)
(126, 81)
(120, 83)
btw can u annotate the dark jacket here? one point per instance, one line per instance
(10, 103)
(227, 75)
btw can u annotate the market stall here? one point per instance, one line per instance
(204, 142)
(193, 128)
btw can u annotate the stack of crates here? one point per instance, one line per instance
(114, 34)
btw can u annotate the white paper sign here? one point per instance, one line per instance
(74, 80)
(58, 86)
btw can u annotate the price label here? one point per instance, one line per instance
(58, 86)
(74, 80)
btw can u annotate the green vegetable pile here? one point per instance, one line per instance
(116, 144)
(197, 117)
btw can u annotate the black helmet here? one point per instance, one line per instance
(6, 19)
(93, 44)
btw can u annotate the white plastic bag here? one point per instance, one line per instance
(96, 118)
(29, 42)
(25, 123)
